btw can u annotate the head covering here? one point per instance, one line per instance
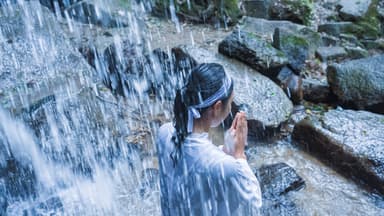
(193, 112)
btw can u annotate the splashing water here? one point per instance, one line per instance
(71, 147)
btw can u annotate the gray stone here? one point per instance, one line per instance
(351, 39)
(329, 40)
(356, 52)
(254, 51)
(84, 12)
(330, 53)
(291, 84)
(336, 28)
(35, 58)
(266, 28)
(359, 83)
(292, 10)
(316, 91)
(351, 141)
(276, 181)
(256, 8)
(352, 10)
(296, 49)
(374, 44)
(267, 103)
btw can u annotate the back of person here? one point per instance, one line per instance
(197, 177)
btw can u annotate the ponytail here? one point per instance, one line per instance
(204, 81)
(180, 111)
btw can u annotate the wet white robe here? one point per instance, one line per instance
(205, 181)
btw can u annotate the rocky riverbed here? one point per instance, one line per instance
(85, 86)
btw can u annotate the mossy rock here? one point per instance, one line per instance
(293, 10)
(216, 11)
(369, 26)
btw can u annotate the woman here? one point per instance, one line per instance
(197, 177)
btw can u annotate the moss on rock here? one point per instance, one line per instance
(369, 26)
(224, 11)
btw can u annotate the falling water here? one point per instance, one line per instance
(74, 147)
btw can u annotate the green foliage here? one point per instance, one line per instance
(223, 10)
(301, 8)
(369, 26)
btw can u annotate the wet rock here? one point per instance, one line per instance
(19, 179)
(352, 10)
(90, 53)
(149, 181)
(291, 84)
(256, 8)
(336, 28)
(330, 53)
(267, 103)
(40, 71)
(266, 28)
(317, 91)
(84, 12)
(296, 48)
(329, 40)
(128, 70)
(351, 39)
(214, 12)
(3, 198)
(295, 11)
(356, 52)
(254, 51)
(374, 44)
(351, 141)
(276, 181)
(359, 83)
(44, 206)
(283, 206)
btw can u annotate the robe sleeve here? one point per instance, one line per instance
(245, 188)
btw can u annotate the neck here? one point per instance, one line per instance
(200, 126)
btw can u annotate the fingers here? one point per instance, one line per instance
(234, 122)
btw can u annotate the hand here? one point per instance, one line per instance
(239, 131)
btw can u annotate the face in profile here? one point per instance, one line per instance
(222, 112)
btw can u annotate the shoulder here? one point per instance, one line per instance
(165, 130)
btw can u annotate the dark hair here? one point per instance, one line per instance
(203, 81)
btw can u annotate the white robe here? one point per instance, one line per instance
(205, 180)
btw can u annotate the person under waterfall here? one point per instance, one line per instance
(196, 176)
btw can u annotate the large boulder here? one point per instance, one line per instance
(295, 47)
(317, 91)
(359, 83)
(286, 37)
(84, 12)
(353, 10)
(295, 11)
(351, 141)
(266, 28)
(331, 53)
(267, 104)
(215, 12)
(366, 17)
(254, 51)
(36, 65)
(35, 58)
(336, 28)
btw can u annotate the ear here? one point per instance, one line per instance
(217, 107)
